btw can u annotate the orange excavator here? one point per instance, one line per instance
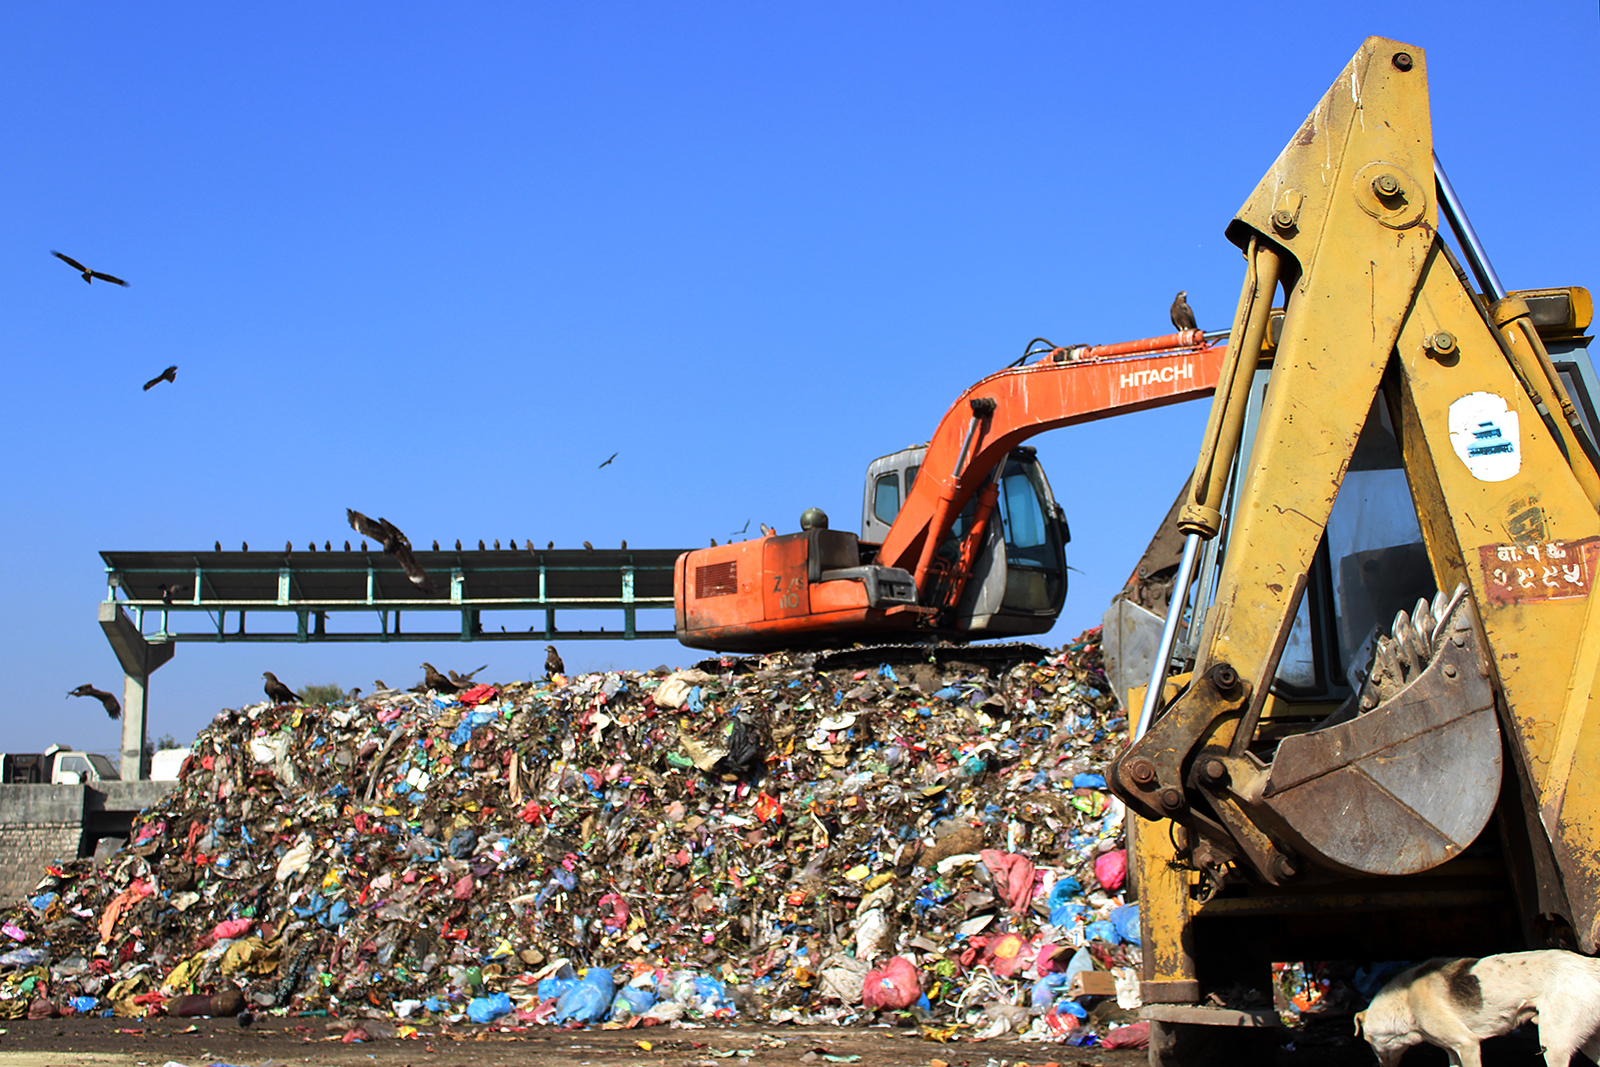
(961, 538)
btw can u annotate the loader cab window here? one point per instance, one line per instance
(1375, 552)
(886, 497)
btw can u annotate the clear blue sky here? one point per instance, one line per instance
(436, 262)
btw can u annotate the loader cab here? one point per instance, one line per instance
(1372, 563)
(1019, 578)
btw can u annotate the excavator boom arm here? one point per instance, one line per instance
(998, 413)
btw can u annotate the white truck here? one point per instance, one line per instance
(56, 765)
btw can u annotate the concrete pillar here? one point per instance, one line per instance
(135, 710)
(139, 659)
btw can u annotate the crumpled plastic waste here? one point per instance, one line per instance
(757, 839)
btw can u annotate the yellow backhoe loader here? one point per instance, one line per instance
(1372, 730)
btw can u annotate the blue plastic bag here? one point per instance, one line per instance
(1064, 891)
(1046, 990)
(554, 988)
(1066, 914)
(1126, 920)
(1102, 930)
(462, 844)
(488, 1009)
(1088, 781)
(631, 1000)
(590, 1000)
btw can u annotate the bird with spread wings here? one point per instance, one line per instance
(394, 543)
(168, 375)
(88, 275)
(113, 709)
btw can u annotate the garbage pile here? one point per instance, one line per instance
(764, 841)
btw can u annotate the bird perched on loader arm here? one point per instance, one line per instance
(276, 691)
(1182, 314)
(113, 709)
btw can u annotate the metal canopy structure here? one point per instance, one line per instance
(150, 595)
(226, 587)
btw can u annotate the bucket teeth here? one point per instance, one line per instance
(1399, 657)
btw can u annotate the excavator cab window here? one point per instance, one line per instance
(886, 497)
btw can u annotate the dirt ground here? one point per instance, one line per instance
(131, 1043)
(272, 1042)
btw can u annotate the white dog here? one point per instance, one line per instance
(1457, 1003)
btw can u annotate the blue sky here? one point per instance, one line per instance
(436, 262)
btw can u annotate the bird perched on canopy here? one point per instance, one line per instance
(394, 543)
(88, 275)
(276, 691)
(168, 375)
(113, 709)
(552, 662)
(1182, 315)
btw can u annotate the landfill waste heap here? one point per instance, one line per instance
(767, 842)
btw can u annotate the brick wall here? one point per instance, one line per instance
(28, 848)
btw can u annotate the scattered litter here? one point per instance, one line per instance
(758, 840)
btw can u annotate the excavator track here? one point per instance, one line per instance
(990, 657)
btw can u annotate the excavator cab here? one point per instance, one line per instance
(1019, 575)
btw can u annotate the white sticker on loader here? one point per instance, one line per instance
(1486, 435)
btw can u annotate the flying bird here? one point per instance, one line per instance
(436, 681)
(113, 709)
(740, 531)
(1182, 315)
(276, 691)
(394, 543)
(88, 275)
(168, 375)
(552, 662)
(170, 591)
(614, 455)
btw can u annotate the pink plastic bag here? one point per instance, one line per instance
(1013, 877)
(231, 928)
(1111, 869)
(1134, 1035)
(893, 987)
